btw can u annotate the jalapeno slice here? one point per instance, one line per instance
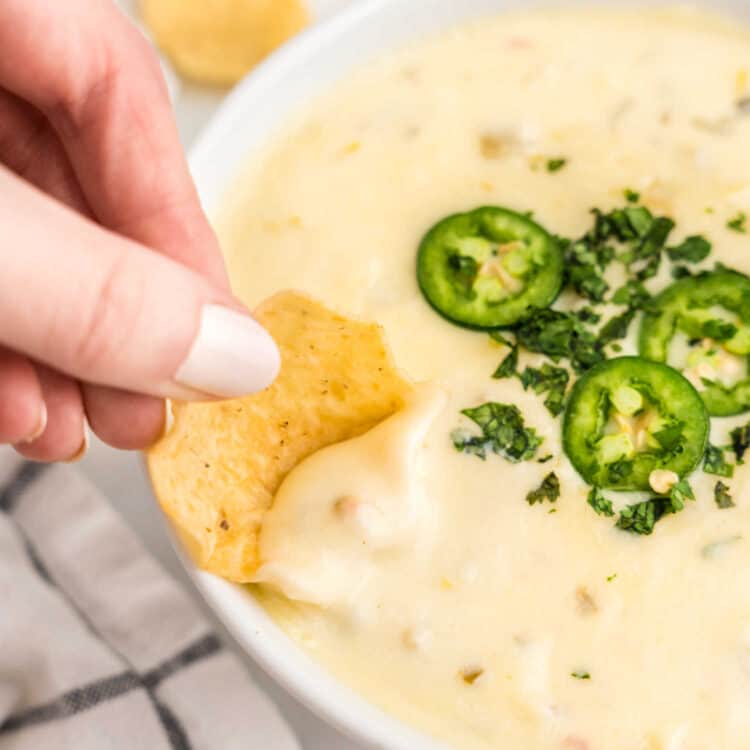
(627, 417)
(486, 268)
(701, 326)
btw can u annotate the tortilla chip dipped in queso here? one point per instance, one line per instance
(217, 470)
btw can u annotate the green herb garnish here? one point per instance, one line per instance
(581, 675)
(503, 433)
(680, 272)
(631, 196)
(680, 492)
(611, 578)
(548, 379)
(718, 330)
(584, 266)
(633, 294)
(560, 335)
(722, 496)
(555, 165)
(599, 503)
(693, 250)
(642, 517)
(715, 463)
(740, 437)
(508, 367)
(548, 490)
(617, 327)
(738, 223)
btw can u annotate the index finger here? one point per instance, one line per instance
(99, 83)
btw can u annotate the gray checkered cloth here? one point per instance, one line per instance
(99, 648)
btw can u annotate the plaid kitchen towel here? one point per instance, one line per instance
(99, 648)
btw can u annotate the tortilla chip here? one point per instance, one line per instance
(219, 41)
(217, 470)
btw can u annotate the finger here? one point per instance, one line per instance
(64, 438)
(31, 148)
(23, 416)
(99, 82)
(106, 310)
(124, 420)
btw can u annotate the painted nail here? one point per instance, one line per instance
(84, 449)
(168, 419)
(41, 426)
(232, 355)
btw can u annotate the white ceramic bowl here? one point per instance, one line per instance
(251, 114)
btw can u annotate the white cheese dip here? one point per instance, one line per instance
(417, 574)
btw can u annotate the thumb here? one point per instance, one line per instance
(107, 310)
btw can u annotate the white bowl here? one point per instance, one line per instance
(251, 114)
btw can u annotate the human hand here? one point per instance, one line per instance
(113, 293)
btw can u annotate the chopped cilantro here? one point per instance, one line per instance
(558, 334)
(611, 578)
(718, 330)
(631, 196)
(580, 675)
(738, 223)
(642, 517)
(715, 463)
(500, 338)
(633, 294)
(722, 496)
(548, 490)
(680, 272)
(508, 367)
(599, 503)
(584, 263)
(548, 379)
(644, 257)
(693, 250)
(680, 492)
(544, 459)
(588, 315)
(555, 165)
(616, 328)
(503, 433)
(740, 437)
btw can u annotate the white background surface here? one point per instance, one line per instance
(122, 478)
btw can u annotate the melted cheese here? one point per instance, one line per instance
(419, 575)
(348, 510)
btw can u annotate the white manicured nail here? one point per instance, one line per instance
(232, 355)
(168, 418)
(85, 444)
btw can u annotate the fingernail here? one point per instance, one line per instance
(41, 425)
(232, 355)
(168, 419)
(84, 449)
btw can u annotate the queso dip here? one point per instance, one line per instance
(422, 575)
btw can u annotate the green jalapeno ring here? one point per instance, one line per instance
(487, 268)
(685, 306)
(661, 418)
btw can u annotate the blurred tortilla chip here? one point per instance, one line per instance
(219, 41)
(218, 469)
